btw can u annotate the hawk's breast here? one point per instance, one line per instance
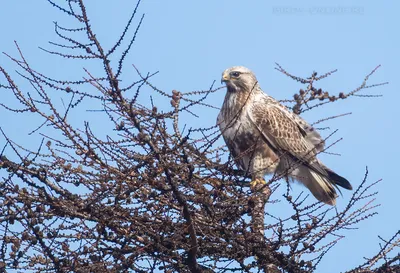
(242, 137)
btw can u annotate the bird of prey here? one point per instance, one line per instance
(265, 137)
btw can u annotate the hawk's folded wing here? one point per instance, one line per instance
(281, 131)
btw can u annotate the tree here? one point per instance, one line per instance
(148, 196)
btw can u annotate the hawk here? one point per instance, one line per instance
(265, 137)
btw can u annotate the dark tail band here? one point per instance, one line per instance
(338, 180)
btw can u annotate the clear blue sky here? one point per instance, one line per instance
(192, 42)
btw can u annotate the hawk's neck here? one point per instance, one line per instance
(237, 101)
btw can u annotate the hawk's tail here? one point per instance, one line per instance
(323, 186)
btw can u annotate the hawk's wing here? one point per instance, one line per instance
(283, 132)
(309, 132)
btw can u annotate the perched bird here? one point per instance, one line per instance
(265, 137)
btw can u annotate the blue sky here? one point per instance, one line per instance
(192, 42)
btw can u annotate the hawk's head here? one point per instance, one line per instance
(239, 78)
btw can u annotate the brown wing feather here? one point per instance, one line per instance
(283, 134)
(310, 133)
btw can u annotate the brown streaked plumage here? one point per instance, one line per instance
(264, 137)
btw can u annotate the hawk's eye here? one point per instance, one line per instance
(235, 74)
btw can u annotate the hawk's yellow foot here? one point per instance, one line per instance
(258, 181)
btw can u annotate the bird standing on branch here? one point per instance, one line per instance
(265, 137)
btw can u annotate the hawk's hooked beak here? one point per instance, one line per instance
(225, 77)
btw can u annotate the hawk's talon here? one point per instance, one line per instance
(257, 181)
